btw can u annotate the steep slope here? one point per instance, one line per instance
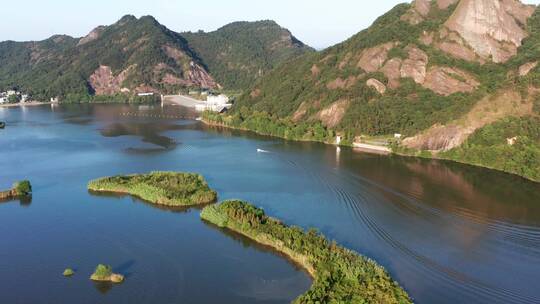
(424, 70)
(140, 55)
(239, 53)
(132, 55)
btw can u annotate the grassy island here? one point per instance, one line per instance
(340, 275)
(104, 273)
(19, 190)
(163, 188)
(68, 272)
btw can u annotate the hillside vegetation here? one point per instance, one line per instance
(140, 55)
(241, 52)
(402, 75)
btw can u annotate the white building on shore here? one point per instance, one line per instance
(215, 103)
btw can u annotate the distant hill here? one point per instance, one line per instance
(140, 55)
(436, 72)
(241, 52)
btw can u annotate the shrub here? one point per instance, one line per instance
(22, 188)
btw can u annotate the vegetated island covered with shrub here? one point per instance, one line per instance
(340, 275)
(19, 189)
(163, 188)
(104, 273)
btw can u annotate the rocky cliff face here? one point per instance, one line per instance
(492, 28)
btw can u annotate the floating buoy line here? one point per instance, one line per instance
(152, 115)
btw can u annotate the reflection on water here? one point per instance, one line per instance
(449, 233)
(282, 289)
(135, 200)
(24, 201)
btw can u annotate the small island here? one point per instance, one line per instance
(103, 273)
(20, 189)
(340, 275)
(68, 272)
(174, 189)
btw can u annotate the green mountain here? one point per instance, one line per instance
(441, 73)
(139, 55)
(241, 52)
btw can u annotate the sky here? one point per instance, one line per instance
(319, 23)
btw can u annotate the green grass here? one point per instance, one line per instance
(163, 188)
(340, 275)
(68, 272)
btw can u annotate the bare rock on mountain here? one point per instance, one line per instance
(444, 4)
(527, 67)
(103, 82)
(491, 27)
(301, 111)
(198, 76)
(372, 59)
(377, 85)
(453, 44)
(415, 65)
(419, 10)
(332, 115)
(340, 83)
(93, 35)
(392, 71)
(447, 81)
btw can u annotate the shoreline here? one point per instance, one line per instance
(359, 274)
(364, 148)
(24, 104)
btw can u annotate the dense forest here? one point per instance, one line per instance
(241, 52)
(139, 54)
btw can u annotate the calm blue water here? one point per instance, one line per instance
(447, 232)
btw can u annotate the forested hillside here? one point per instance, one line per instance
(421, 70)
(241, 52)
(141, 55)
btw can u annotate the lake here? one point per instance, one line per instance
(448, 233)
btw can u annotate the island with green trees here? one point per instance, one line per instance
(104, 273)
(340, 275)
(19, 190)
(174, 189)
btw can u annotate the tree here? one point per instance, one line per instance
(13, 98)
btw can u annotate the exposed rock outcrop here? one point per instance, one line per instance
(103, 82)
(372, 59)
(340, 83)
(527, 67)
(332, 115)
(444, 4)
(93, 35)
(491, 27)
(392, 71)
(377, 85)
(415, 65)
(447, 81)
(419, 10)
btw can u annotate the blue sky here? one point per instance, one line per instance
(319, 23)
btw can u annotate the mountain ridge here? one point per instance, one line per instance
(129, 56)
